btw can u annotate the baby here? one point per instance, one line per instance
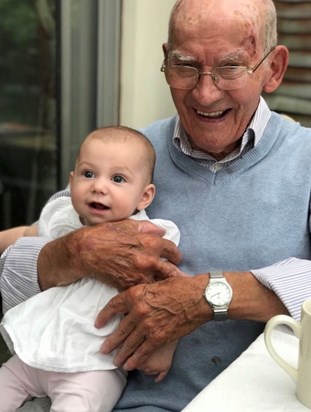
(56, 345)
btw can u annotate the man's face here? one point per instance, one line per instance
(216, 119)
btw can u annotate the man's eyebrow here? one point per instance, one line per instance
(176, 55)
(233, 57)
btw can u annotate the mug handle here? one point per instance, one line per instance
(272, 324)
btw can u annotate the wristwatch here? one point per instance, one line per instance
(218, 294)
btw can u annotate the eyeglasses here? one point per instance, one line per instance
(224, 77)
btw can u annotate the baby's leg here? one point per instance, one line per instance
(95, 391)
(14, 388)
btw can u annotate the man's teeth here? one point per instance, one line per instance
(212, 114)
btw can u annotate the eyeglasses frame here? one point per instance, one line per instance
(213, 76)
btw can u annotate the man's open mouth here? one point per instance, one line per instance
(213, 115)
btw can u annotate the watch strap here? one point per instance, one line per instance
(219, 313)
(216, 274)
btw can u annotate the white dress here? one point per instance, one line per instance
(55, 330)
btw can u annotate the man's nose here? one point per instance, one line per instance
(206, 91)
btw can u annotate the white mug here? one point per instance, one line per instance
(302, 329)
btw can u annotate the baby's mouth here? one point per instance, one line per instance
(98, 206)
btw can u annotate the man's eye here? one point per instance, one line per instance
(230, 72)
(185, 71)
(118, 179)
(88, 174)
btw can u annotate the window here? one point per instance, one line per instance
(27, 115)
(59, 80)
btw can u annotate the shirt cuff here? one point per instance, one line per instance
(18, 271)
(290, 280)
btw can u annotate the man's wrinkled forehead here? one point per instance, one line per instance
(203, 18)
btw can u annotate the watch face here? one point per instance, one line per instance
(218, 293)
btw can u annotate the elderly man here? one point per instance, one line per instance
(235, 177)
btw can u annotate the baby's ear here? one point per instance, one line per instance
(147, 197)
(71, 179)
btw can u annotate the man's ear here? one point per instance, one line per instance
(147, 197)
(278, 66)
(165, 50)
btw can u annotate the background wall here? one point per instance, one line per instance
(294, 28)
(145, 96)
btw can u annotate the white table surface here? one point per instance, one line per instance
(254, 382)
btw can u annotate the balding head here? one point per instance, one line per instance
(256, 19)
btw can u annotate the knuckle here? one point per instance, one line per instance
(134, 294)
(158, 338)
(152, 242)
(137, 298)
(139, 260)
(145, 262)
(141, 310)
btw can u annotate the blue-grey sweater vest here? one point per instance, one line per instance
(250, 214)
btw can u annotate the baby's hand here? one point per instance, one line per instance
(160, 361)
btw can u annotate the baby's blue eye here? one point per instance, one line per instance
(88, 174)
(118, 179)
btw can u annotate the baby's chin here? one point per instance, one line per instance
(94, 221)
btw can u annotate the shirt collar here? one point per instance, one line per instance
(251, 137)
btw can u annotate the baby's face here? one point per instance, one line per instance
(109, 181)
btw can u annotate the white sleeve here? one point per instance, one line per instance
(171, 230)
(58, 218)
(290, 280)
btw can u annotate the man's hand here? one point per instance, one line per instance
(122, 254)
(154, 314)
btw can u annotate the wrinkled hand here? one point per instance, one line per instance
(122, 254)
(154, 314)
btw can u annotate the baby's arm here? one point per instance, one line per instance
(160, 361)
(10, 236)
